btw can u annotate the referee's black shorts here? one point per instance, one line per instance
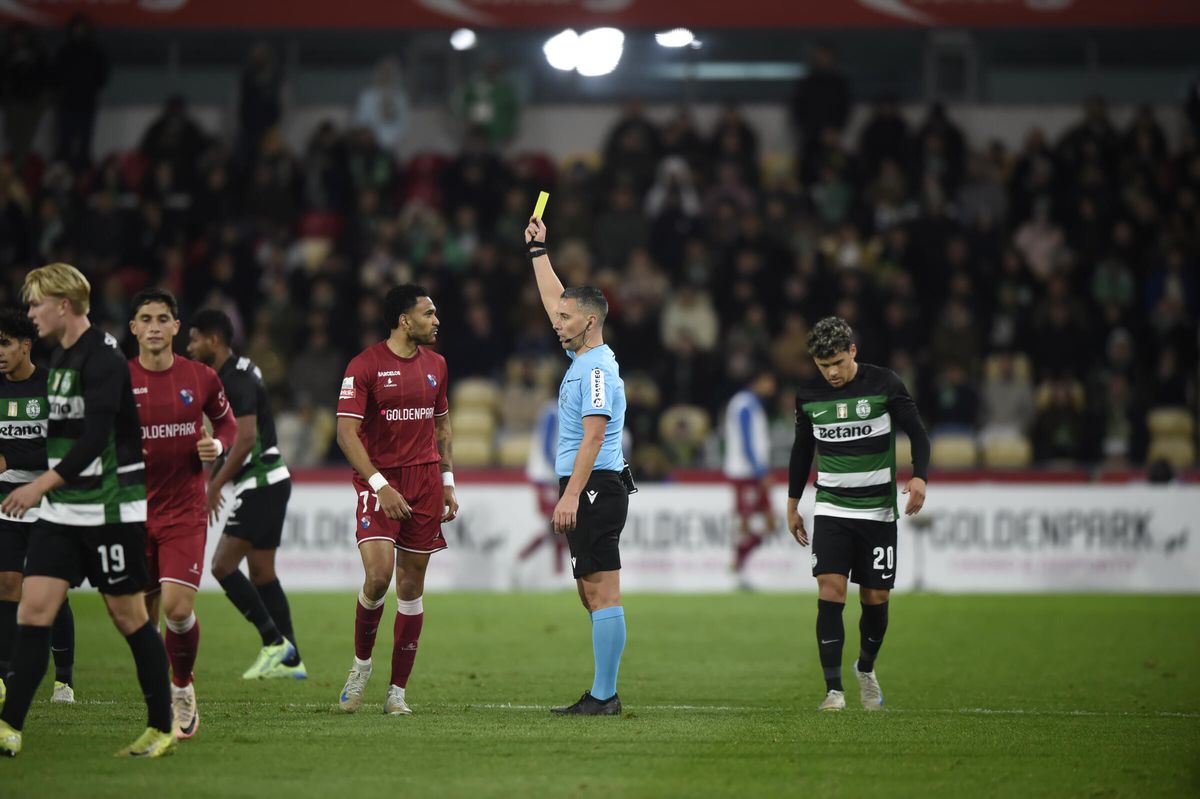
(603, 507)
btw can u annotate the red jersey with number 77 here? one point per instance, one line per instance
(397, 399)
(170, 404)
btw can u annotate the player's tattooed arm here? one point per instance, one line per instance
(445, 445)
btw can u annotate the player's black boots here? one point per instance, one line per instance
(589, 705)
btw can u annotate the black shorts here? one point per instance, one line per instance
(258, 515)
(14, 541)
(112, 556)
(603, 507)
(863, 550)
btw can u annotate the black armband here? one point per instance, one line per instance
(535, 254)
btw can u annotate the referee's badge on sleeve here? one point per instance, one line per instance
(597, 388)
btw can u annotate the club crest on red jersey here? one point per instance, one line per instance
(432, 380)
(187, 396)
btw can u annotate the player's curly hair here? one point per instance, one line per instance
(399, 301)
(829, 337)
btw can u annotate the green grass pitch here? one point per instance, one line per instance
(1022, 696)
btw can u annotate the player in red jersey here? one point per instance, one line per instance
(394, 427)
(172, 393)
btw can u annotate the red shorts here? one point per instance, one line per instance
(749, 498)
(421, 487)
(175, 554)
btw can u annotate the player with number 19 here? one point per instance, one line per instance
(849, 416)
(92, 506)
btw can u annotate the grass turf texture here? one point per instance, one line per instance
(1002, 696)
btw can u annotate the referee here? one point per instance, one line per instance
(593, 498)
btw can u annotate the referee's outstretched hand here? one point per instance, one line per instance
(535, 230)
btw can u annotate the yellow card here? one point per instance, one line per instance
(543, 198)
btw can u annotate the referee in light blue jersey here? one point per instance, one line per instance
(594, 497)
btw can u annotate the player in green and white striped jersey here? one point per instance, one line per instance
(24, 417)
(91, 504)
(849, 417)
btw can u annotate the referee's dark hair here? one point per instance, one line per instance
(15, 324)
(829, 337)
(590, 300)
(154, 295)
(400, 301)
(210, 322)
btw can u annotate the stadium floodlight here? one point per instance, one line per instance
(676, 37)
(463, 39)
(600, 51)
(562, 50)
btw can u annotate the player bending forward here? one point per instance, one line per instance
(172, 394)
(394, 427)
(849, 417)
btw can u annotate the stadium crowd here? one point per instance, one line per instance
(1049, 292)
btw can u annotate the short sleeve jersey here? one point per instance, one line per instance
(248, 397)
(397, 399)
(170, 404)
(592, 386)
(853, 430)
(23, 421)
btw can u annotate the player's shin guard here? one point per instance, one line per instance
(62, 644)
(276, 604)
(367, 614)
(183, 644)
(410, 617)
(31, 653)
(247, 600)
(871, 627)
(8, 634)
(831, 634)
(151, 659)
(608, 642)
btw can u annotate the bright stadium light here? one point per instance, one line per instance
(562, 50)
(600, 51)
(676, 37)
(463, 39)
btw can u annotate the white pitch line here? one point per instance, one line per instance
(962, 711)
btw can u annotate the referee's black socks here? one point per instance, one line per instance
(871, 627)
(30, 655)
(150, 657)
(831, 635)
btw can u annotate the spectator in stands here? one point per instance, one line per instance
(1007, 401)
(821, 102)
(383, 107)
(1060, 427)
(260, 99)
(632, 151)
(25, 82)
(489, 102)
(955, 401)
(176, 138)
(81, 71)
(884, 137)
